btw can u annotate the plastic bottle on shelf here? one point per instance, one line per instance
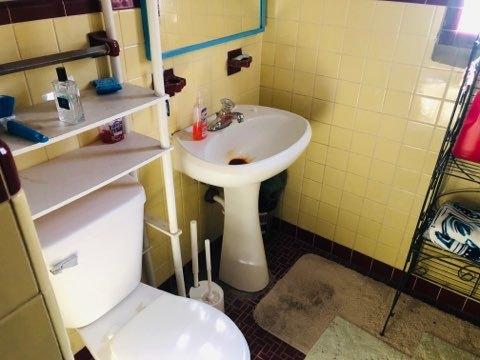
(467, 145)
(199, 128)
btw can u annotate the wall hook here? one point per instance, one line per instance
(237, 60)
(173, 84)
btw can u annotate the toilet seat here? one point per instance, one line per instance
(153, 324)
(179, 328)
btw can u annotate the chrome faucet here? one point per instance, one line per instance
(225, 116)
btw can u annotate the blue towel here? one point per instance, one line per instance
(7, 105)
(457, 229)
(106, 85)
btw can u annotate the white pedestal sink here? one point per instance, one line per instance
(267, 142)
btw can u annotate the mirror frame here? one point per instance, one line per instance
(205, 44)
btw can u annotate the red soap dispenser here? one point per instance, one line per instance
(467, 145)
(199, 128)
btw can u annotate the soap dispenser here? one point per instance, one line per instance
(67, 98)
(199, 128)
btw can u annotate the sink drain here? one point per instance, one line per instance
(238, 161)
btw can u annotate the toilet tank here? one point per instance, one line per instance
(99, 238)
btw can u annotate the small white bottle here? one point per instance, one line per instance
(199, 128)
(67, 98)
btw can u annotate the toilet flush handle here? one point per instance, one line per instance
(66, 263)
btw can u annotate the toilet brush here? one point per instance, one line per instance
(205, 291)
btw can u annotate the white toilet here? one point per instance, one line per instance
(93, 249)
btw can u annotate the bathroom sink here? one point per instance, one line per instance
(238, 158)
(267, 142)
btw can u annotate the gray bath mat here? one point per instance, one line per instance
(315, 290)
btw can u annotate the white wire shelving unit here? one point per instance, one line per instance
(62, 180)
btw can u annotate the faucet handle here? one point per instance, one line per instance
(227, 104)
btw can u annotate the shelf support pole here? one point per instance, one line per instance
(111, 30)
(161, 115)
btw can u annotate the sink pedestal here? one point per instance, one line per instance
(243, 264)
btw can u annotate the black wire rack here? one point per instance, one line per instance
(425, 259)
(448, 270)
(463, 169)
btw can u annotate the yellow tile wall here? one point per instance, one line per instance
(360, 71)
(187, 22)
(204, 70)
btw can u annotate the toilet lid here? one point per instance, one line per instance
(174, 327)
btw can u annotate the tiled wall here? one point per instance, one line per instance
(210, 19)
(360, 71)
(205, 70)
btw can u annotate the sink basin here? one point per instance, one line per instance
(238, 158)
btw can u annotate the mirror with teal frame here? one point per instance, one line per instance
(262, 11)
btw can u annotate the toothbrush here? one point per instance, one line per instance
(193, 240)
(210, 296)
(18, 129)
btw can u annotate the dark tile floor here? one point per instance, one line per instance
(282, 252)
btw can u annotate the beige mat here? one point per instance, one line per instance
(433, 348)
(342, 340)
(345, 341)
(303, 303)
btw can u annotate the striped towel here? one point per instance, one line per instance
(457, 229)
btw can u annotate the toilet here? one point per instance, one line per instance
(93, 250)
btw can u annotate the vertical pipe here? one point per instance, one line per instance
(112, 34)
(194, 244)
(160, 113)
(117, 72)
(115, 62)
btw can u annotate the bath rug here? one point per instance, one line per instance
(433, 348)
(315, 290)
(343, 340)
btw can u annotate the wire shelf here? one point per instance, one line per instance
(463, 169)
(447, 269)
(425, 259)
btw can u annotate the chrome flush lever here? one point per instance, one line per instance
(69, 262)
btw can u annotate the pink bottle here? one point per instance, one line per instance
(467, 145)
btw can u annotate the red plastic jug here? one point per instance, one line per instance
(467, 145)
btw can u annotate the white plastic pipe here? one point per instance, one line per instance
(161, 115)
(194, 244)
(111, 30)
(210, 296)
(115, 63)
(116, 67)
(219, 200)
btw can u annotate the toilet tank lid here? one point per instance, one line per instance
(71, 218)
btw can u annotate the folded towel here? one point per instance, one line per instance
(457, 229)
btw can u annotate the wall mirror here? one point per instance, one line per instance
(190, 25)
